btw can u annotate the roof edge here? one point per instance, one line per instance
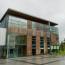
(26, 16)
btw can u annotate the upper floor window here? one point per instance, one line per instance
(17, 22)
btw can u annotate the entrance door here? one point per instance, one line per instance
(20, 45)
(16, 45)
(20, 50)
(11, 53)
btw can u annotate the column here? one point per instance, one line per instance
(29, 38)
(37, 42)
(45, 43)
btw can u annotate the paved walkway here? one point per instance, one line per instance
(34, 60)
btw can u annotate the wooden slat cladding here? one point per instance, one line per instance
(29, 42)
(54, 39)
(29, 37)
(37, 42)
(17, 30)
(45, 43)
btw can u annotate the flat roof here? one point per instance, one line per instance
(28, 17)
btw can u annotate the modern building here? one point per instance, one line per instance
(27, 35)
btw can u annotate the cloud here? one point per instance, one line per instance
(52, 10)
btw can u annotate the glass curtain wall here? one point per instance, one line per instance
(39, 26)
(3, 49)
(16, 43)
(42, 27)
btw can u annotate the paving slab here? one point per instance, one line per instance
(34, 60)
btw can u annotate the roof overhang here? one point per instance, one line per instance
(28, 17)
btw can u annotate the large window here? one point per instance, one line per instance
(39, 26)
(48, 41)
(17, 22)
(21, 40)
(41, 42)
(33, 25)
(11, 40)
(34, 42)
(54, 30)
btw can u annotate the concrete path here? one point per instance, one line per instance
(34, 60)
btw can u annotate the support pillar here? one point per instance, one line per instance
(29, 38)
(37, 42)
(45, 43)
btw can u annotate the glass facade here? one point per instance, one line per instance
(16, 43)
(34, 42)
(37, 26)
(33, 45)
(17, 22)
(44, 27)
(54, 30)
(41, 42)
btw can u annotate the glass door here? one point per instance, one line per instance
(16, 45)
(11, 53)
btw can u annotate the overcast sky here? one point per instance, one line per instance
(53, 10)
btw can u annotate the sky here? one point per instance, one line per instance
(53, 10)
